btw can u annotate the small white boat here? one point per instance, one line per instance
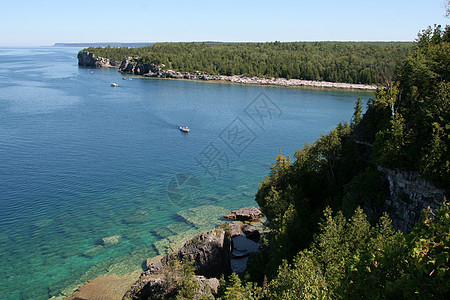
(185, 128)
(114, 84)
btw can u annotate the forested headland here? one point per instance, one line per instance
(330, 232)
(349, 62)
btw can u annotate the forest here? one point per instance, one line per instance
(349, 254)
(330, 237)
(350, 62)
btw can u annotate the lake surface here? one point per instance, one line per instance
(81, 160)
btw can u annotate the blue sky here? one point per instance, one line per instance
(44, 22)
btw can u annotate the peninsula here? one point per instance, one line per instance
(130, 66)
(349, 65)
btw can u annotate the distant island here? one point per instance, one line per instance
(112, 44)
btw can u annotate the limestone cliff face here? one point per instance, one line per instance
(129, 65)
(89, 59)
(409, 194)
(210, 253)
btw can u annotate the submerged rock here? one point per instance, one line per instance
(111, 287)
(138, 217)
(245, 214)
(110, 240)
(94, 251)
(203, 216)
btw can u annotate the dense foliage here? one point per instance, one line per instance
(406, 127)
(352, 62)
(415, 136)
(351, 259)
(346, 255)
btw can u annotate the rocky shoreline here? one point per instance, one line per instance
(222, 250)
(131, 66)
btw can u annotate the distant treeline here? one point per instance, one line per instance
(110, 44)
(352, 62)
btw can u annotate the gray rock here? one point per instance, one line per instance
(236, 229)
(409, 193)
(213, 283)
(245, 214)
(89, 59)
(153, 287)
(153, 266)
(210, 252)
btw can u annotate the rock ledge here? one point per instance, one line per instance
(245, 214)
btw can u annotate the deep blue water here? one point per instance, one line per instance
(81, 160)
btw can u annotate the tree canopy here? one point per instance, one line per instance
(351, 62)
(406, 127)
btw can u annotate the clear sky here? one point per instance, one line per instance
(44, 22)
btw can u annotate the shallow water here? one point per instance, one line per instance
(81, 160)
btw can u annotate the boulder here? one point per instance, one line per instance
(236, 229)
(245, 214)
(210, 252)
(155, 287)
(213, 283)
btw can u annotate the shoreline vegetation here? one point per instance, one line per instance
(328, 232)
(354, 65)
(129, 66)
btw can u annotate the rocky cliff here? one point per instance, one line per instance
(213, 253)
(409, 194)
(210, 253)
(130, 65)
(89, 59)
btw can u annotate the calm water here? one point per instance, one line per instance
(81, 160)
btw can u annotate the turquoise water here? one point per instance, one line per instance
(81, 160)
